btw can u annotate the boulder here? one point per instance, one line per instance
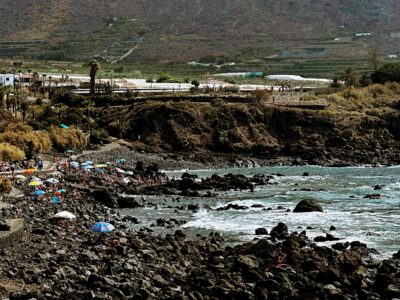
(373, 196)
(261, 231)
(280, 231)
(4, 226)
(349, 260)
(106, 198)
(307, 205)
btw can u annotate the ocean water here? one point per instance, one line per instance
(340, 192)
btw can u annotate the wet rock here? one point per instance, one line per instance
(261, 231)
(307, 205)
(131, 219)
(190, 176)
(373, 196)
(379, 187)
(280, 231)
(341, 246)
(234, 207)
(257, 206)
(327, 237)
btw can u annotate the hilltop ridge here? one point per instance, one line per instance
(183, 30)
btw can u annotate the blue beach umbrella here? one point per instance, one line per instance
(38, 193)
(53, 180)
(64, 126)
(102, 227)
(61, 191)
(98, 171)
(74, 164)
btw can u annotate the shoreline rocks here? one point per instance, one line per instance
(307, 205)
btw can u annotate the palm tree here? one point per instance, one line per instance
(24, 109)
(121, 124)
(29, 82)
(94, 68)
(4, 91)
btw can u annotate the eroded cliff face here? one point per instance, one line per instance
(265, 131)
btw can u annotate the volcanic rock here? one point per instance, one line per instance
(307, 205)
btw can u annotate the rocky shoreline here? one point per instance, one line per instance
(200, 160)
(62, 261)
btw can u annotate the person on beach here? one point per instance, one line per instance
(279, 262)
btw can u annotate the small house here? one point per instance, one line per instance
(7, 79)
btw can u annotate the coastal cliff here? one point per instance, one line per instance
(349, 131)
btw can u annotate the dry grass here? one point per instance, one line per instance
(23, 137)
(64, 139)
(10, 152)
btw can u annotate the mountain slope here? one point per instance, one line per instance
(189, 29)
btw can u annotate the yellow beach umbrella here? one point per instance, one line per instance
(35, 183)
(101, 166)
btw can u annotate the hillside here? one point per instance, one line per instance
(160, 30)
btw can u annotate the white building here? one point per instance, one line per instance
(7, 79)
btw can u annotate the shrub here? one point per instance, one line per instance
(196, 83)
(388, 72)
(23, 137)
(64, 139)
(10, 152)
(232, 89)
(39, 101)
(164, 78)
(5, 186)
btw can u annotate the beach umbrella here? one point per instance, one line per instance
(98, 171)
(89, 162)
(70, 151)
(64, 215)
(64, 126)
(101, 166)
(86, 167)
(36, 179)
(30, 171)
(38, 193)
(74, 164)
(120, 170)
(61, 191)
(20, 176)
(53, 180)
(35, 183)
(102, 227)
(130, 173)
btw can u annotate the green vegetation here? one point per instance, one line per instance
(94, 68)
(388, 72)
